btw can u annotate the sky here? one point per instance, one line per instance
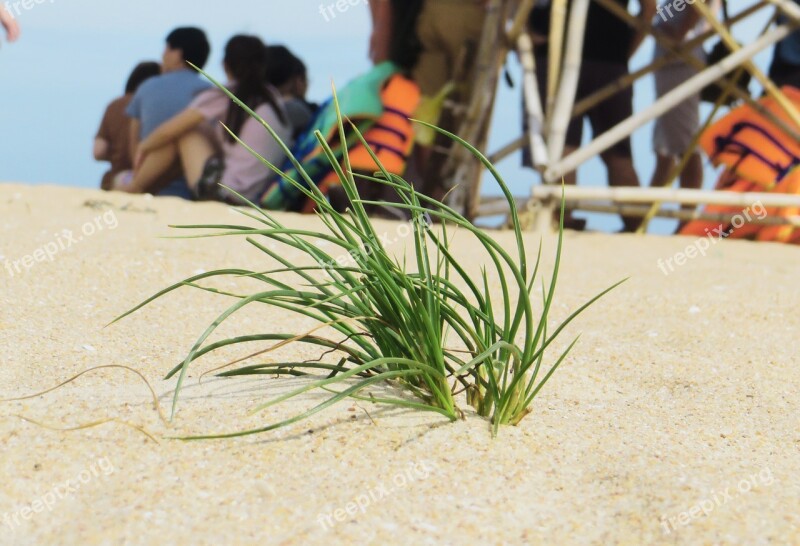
(74, 57)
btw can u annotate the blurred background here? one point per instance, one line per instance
(74, 57)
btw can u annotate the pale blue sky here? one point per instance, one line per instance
(75, 55)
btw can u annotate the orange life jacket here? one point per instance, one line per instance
(759, 157)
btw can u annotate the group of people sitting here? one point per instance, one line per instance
(165, 135)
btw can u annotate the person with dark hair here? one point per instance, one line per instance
(9, 24)
(162, 98)
(288, 74)
(188, 45)
(209, 154)
(112, 142)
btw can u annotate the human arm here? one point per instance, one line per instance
(168, 132)
(9, 24)
(381, 38)
(101, 148)
(646, 13)
(133, 137)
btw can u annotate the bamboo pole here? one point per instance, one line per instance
(520, 21)
(558, 18)
(790, 9)
(667, 102)
(770, 87)
(499, 207)
(533, 103)
(508, 149)
(466, 171)
(465, 168)
(683, 215)
(665, 195)
(568, 85)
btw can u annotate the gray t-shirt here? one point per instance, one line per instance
(163, 97)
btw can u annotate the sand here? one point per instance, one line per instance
(675, 421)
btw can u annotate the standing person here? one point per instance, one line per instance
(785, 67)
(9, 24)
(112, 142)
(210, 158)
(162, 98)
(609, 43)
(674, 131)
(438, 42)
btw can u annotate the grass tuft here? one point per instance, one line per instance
(430, 328)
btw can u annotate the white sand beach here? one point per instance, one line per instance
(675, 421)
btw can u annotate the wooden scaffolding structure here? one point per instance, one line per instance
(548, 117)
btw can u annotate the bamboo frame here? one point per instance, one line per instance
(683, 53)
(694, 62)
(549, 116)
(691, 86)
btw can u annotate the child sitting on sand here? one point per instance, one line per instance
(210, 155)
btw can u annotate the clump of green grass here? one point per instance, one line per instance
(431, 329)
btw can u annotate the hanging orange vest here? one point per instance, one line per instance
(759, 157)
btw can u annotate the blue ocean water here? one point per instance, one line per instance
(74, 57)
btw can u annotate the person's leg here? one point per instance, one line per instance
(606, 115)
(622, 174)
(154, 166)
(692, 174)
(195, 150)
(664, 166)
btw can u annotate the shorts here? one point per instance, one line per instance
(450, 34)
(603, 116)
(674, 131)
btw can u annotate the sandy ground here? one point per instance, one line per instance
(674, 422)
